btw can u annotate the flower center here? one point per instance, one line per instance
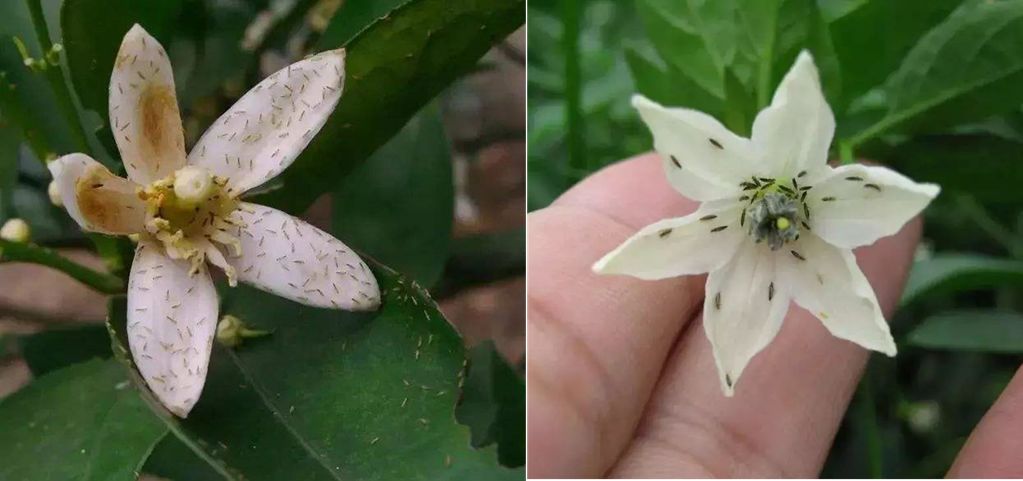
(775, 210)
(189, 213)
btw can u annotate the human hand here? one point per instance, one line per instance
(621, 379)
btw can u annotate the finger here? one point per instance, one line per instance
(786, 409)
(993, 450)
(597, 343)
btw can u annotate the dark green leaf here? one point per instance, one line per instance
(397, 207)
(334, 395)
(172, 459)
(93, 30)
(393, 69)
(986, 167)
(353, 17)
(967, 68)
(871, 37)
(58, 348)
(954, 272)
(971, 330)
(493, 404)
(84, 422)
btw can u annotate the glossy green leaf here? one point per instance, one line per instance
(493, 404)
(334, 395)
(393, 68)
(969, 67)
(58, 348)
(81, 423)
(353, 17)
(171, 459)
(397, 207)
(971, 330)
(946, 273)
(93, 30)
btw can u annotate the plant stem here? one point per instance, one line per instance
(24, 252)
(570, 13)
(55, 76)
(845, 152)
(867, 417)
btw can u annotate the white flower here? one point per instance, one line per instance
(187, 210)
(776, 222)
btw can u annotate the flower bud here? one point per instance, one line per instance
(15, 230)
(231, 331)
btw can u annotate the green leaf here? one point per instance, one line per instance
(694, 38)
(58, 348)
(947, 273)
(353, 17)
(393, 68)
(967, 68)
(667, 85)
(93, 30)
(872, 37)
(494, 404)
(84, 422)
(332, 394)
(398, 206)
(971, 330)
(986, 167)
(172, 459)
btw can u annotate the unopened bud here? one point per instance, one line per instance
(231, 331)
(15, 230)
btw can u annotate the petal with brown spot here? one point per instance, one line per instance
(144, 116)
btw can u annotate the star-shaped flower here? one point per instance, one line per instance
(776, 223)
(188, 210)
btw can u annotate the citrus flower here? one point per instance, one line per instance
(775, 223)
(187, 210)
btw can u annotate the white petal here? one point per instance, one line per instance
(263, 133)
(172, 318)
(699, 242)
(95, 198)
(830, 285)
(743, 310)
(865, 204)
(794, 133)
(144, 115)
(286, 256)
(702, 158)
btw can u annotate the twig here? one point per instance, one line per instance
(23, 252)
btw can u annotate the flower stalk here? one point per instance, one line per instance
(35, 254)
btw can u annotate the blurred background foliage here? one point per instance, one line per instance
(420, 168)
(932, 88)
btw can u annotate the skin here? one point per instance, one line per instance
(621, 377)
